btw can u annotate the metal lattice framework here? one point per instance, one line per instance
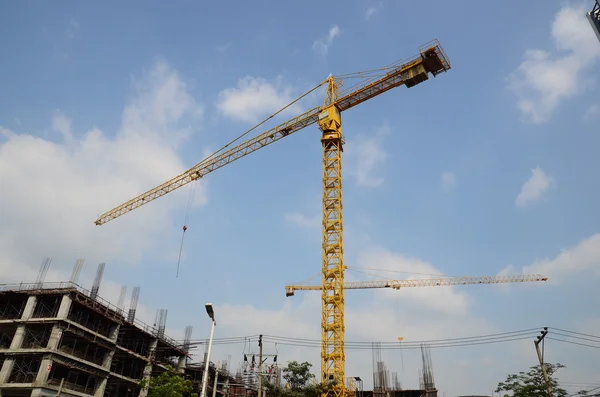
(332, 321)
(6, 336)
(135, 296)
(12, 307)
(46, 306)
(36, 337)
(161, 322)
(43, 271)
(76, 270)
(121, 301)
(97, 280)
(425, 282)
(131, 367)
(82, 348)
(77, 377)
(91, 321)
(24, 369)
(140, 346)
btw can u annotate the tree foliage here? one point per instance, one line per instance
(168, 384)
(297, 374)
(299, 382)
(532, 383)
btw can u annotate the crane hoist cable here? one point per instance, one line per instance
(185, 222)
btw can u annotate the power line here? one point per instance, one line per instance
(304, 341)
(474, 340)
(576, 333)
(574, 343)
(576, 337)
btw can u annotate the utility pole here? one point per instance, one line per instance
(260, 365)
(541, 358)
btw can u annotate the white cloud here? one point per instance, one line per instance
(255, 98)
(303, 220)
(373, 10)
(592, 112)
(534, 187)
(365, 154)
(52, 192)
(574, 260)
(62, 124)
(584, 256)
(72, 29)
(543, 80)
(321, 45)
(448, 181)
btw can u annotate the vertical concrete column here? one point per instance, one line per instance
(114, 333)
(101, 387)
(181, 364)
(148, 368)
(55, 336)
(29, 307)
(65, 307)
(42, 375)
(37, 392)
(6, 369)
(17, 340)
(108, 360)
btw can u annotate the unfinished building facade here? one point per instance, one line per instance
(59, 336)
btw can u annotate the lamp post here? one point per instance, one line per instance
(211, 314)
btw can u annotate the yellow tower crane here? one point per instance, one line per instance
(430, 60)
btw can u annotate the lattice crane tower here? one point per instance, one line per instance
(430, 60)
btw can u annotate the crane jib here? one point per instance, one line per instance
(431, 59)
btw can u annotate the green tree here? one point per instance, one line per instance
(532, 383)
(297, 374)
(298, 378)
(168, 384)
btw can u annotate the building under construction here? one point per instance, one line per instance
(61, 339)
(58, 336)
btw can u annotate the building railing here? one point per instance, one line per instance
(68, 285)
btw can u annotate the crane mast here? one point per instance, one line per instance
(430, 60)
(332, 321)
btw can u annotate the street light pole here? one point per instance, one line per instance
(211, 314)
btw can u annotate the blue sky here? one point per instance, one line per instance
(487, 169)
